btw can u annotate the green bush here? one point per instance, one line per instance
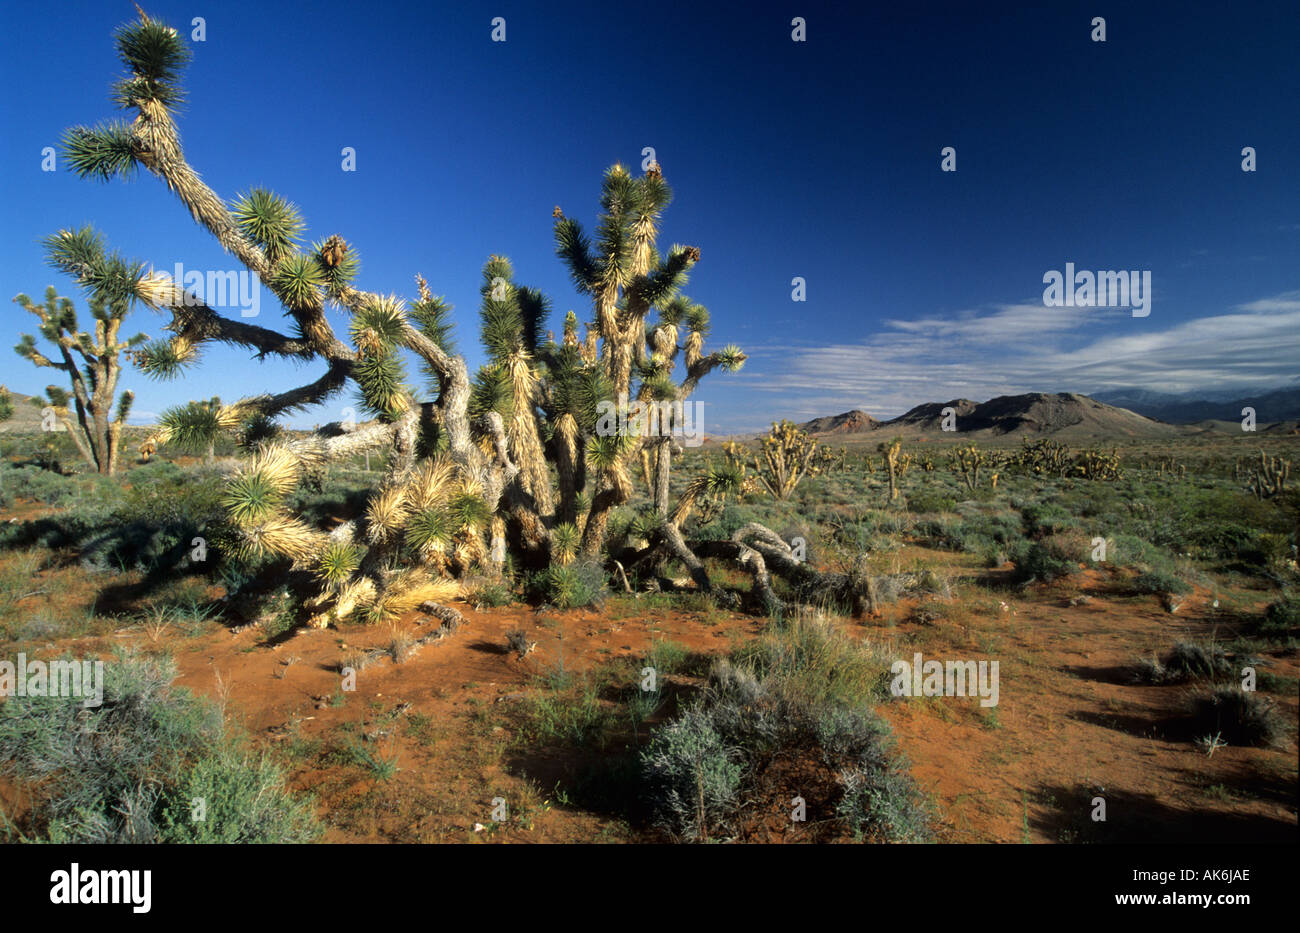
(1281, 618)
(800, 692)
(929, 501)
(572, 587)
(1036, 562)
(127, 770)
(693, 775)
(1158, 582)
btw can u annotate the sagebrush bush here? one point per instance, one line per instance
(1281, 618)
(1159, 582)
(1035, 562)
(693, 775)
(801, 691)
(125, 771)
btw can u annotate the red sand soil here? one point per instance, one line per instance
(1069, 725)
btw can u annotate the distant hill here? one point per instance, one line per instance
(27, 417)
(851, 422)
(1277, 405)
(1063, 414)
(930, 416)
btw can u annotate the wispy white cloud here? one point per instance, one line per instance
(1027, 347)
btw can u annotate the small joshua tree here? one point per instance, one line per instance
(785, 456)
(896, 464)
(1096, 464)
(967, 461)
(92, 362)
(1268, 480)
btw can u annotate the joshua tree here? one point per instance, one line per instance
(472, 462)
(967, 461)
(896, 464)
(1268, 480)
(94, 369)
(785, 456)
(1095, 464)
(522, 463)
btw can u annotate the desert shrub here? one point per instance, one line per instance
(1130, 551)
(816, 661)
(124, 771)
(667, 657)
(883, 803)
(148, 526)
(567, 710)
(1036, 562)
(492, 594)
(693, 775)
(771, 705)
(1159, 582)
(1240, 717)
(37, 485)
(1187, 661)
(929, 501)
(570, 587)
(939, 532)
(1073, 546)
(1002, 527)
(244, 802)
(1282, 617)
(1046, 519)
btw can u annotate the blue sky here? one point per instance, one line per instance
(819, 159)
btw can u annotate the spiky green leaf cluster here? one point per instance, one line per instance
(732, 357)
(251, 498)
(491, 391)
(337, 562)
(431, 528)
(697, 319)
(658, 386)
(469, 512)
(432, 317)
(271, 222)
(298, 282)
(192, 426)
(608, 450)
(381, 319)
(158, 359)
(664, 278)
(124, 403)
(501, 320)
(258, 430)
(565, 539)
(107, 276)
(381, 376)
(156, 55)
(103, 152)
(58, 397)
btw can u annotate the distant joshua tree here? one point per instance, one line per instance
(92, 361)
